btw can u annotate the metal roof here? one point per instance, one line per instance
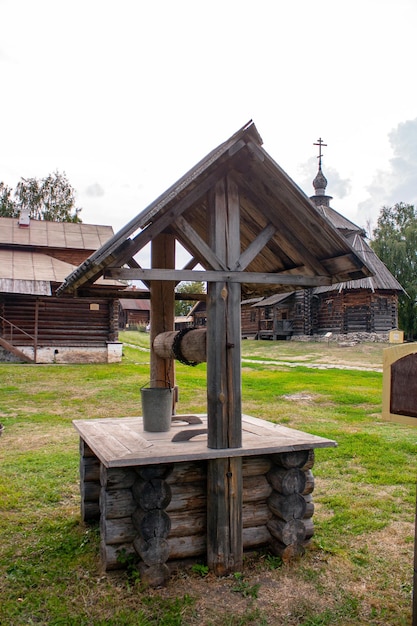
(27, 272)
(135, 305)
(45, 234)
(282, 234)
(275, 299)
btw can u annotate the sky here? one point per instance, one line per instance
(125, 97)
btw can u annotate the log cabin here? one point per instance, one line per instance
(134, 313)
(35, 326)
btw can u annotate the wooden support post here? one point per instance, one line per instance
(224, 403)
(224, 484)
(162, 308)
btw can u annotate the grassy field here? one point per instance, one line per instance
(358, 569)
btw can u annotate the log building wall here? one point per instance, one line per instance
(67, 330)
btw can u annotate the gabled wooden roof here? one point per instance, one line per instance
(285, 242)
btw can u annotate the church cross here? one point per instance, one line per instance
(320, 144)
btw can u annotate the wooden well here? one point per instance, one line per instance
(253, 232)
(150, 490)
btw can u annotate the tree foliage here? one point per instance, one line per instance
(7, 204)
(183, 307)
(51, 198)
(395, 242)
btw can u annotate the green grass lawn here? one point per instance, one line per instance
(357, 571)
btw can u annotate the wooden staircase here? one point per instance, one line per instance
(11, 348)
(7, 345)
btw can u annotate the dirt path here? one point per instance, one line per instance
(323, 366)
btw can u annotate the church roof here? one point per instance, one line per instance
(381, 278)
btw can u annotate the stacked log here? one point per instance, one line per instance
(159, 512)
(89, 484)
(290, 502)
(117, 505)
(152, 494)
(188, 510)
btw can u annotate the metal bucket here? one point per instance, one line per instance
(157, 408)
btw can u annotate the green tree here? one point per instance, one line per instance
(183, 307)
(51, 198)
(8, 207)
(395, 242)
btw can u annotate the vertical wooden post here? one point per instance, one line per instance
(224, 406)
(414, 607)
(162, 307)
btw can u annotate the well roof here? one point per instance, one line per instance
(282, 234)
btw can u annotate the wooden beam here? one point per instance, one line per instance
(162, 309)
(277, 213)
(218, 276)
(117, 294)
(197, 244)
(255, 247)
(87, 273)
(224, 407)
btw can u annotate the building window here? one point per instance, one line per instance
(298, 309)
(253, 316)
(268, 312)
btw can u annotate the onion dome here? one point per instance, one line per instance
(320, 183)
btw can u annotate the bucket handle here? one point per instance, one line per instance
(157, 380)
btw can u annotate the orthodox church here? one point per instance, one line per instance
(367, 307)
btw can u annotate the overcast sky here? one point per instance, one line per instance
(125, 96)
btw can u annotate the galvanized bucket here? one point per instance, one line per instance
(157, 405)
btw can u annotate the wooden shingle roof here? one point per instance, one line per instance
(285, 243)
(381, 278)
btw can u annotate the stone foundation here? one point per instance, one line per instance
(109, 353)
(347, 338)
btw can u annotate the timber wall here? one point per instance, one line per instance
(61, 330)
(59, 321)
(158, 513)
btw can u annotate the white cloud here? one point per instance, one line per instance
(95, 191)
(130, 95)
(397, 182)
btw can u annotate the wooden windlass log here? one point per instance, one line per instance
(187, 346)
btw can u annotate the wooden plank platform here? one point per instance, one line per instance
(122, 442)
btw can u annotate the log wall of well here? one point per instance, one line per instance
(158, 513)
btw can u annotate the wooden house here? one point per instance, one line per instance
(35, 326)
(134, 313)
(365, 308)
(246, 482)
